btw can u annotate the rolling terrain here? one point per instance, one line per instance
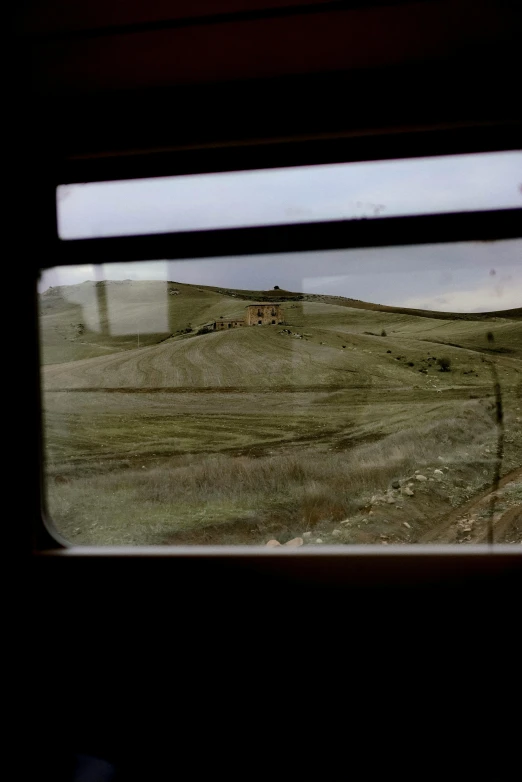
(311, 429)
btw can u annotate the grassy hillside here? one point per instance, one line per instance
(284, 295)
(251, 433)
(323, 345)
(97, 318)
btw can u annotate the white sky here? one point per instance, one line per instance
(456, 277)
(290, 195)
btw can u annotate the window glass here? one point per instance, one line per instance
(450, 183)
(379, 409)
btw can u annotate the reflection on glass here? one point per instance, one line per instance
(332, 398)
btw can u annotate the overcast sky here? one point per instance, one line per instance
(459, 277)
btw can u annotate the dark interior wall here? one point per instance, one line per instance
(148, 79)
(250, 669)
(194, 668)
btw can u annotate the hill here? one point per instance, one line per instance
(282, 295)
(323, 345)
(94, 319)
(318, 426)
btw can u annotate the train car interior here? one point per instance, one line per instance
(156, 652)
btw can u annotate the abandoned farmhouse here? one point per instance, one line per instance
(256, 315)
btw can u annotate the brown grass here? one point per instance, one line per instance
(220, 498)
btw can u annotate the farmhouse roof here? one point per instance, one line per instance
(263, 304)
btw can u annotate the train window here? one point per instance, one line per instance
(299, 194)
(385, 408)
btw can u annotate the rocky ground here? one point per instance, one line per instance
(498, 511)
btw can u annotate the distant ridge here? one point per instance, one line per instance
(282, 295)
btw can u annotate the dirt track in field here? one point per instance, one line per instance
(506, 523)
(245, 358)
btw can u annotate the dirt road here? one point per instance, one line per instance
(469, 522)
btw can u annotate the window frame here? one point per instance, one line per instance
(340, 234)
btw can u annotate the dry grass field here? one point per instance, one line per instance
(322, 429)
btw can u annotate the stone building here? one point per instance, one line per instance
(264, 314)
(234, 323)
(256, 315)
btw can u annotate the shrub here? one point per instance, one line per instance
(444, 364)
(383, 333)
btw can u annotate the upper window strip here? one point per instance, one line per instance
(301, 194)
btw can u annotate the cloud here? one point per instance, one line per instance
(486, 298)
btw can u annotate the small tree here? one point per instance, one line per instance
(383, 333)
(276, 287)
(444, 364)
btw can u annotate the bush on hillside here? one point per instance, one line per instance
(444, 364)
